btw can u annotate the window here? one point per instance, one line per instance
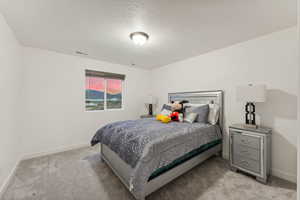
(103, 90)
(113, 93)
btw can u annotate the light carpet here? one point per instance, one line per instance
(81, 175)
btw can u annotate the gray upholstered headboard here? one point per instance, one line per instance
(203, 97)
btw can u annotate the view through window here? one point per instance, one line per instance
(103, 93)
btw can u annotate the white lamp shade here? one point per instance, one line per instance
(150, 100)
(251, 93)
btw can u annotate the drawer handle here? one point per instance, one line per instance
(245, 151)
(245, 141)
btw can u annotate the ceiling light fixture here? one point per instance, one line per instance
(139, 38)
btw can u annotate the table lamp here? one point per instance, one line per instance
(251, 94)
(150, 101)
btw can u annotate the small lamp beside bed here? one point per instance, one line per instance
(150, 103)
(251, 94)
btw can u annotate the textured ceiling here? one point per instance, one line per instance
(178, 29)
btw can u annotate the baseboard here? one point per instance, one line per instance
(53, 151)
(8, 180)
(284, 175)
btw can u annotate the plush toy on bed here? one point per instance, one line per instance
(172, 112)
(175, 116)
(163, 118)
(177, 110)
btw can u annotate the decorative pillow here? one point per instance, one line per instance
(166, 107)
(202, 112)
(213, 115)
(180, 117)
(194, 104)
(166, 112)
(190, 117)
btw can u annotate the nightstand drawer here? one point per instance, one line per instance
(247, 140)
(246, 151)
(245, 163)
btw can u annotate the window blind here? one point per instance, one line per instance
(104, 74)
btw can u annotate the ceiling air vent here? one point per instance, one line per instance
(81, 53)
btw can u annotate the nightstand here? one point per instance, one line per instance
(250, 150)
(146, 116)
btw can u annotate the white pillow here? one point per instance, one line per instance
(190, 117)
(165, 112)
(213, 115)
(194, 104)
(180, 116)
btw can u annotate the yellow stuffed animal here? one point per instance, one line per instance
(163, 118)
(158, 117)
(166, 119)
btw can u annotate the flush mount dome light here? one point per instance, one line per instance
(139, 38)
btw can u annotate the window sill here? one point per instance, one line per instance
(108, 110)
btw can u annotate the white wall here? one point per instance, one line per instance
(298, 43)
(54, 99)
(270, 60)
(10, 82)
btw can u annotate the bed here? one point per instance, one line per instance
(146, 154)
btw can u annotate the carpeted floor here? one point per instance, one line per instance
(80, 175)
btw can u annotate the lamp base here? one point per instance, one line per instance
(150, 110)
(250, 113)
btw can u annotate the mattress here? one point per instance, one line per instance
(146, 145)
(124, 170)
(134, 140)
(184, 158)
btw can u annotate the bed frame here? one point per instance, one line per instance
(123, 170)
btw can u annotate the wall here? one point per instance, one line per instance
(54, 100)
(10, 82)
(298, 43)
(270, 60)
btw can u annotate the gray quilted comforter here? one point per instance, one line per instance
(147, 144)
